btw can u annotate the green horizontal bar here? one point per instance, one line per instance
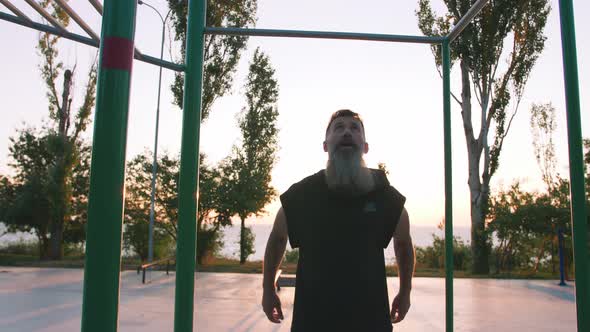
(85, 40)
(162, 63)
(323, 35)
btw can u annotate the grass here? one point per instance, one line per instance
(226, 265)
(20, 260)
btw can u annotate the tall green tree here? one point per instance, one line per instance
(63, 130)
(496, 54)
(26, 197)
(221, 53)
(526, 223)
(210, 218)
(247, 173)
(543, 126)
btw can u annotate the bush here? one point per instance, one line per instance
(209, 243)
(434, 256)
(21, 247)
(247, 248)
(461, 254)
(292, 256)
(135, 239)
(74, 250)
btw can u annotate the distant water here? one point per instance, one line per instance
(14, 237)
(421, 236)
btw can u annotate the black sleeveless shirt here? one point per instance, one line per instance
(341, 284)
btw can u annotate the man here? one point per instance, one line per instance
(341, 219)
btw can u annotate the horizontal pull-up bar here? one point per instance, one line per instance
(45, 14)
(77, 19)
(323, 35)
(15, 10)
(85, 40)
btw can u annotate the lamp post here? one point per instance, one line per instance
(155, 160)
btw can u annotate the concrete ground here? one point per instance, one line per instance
(34, 299)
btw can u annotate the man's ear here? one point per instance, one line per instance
(366, 149)
(325, 147)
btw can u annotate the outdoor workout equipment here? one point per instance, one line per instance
(105, 211)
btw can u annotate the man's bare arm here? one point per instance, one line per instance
(275, 249)
(405, 258)
(404, 252)
(273, 255)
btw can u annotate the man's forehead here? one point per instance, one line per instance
(346, 120)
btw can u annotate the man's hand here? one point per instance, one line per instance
(271, 305)
(400, 307)
(405, 257)
(275, 249)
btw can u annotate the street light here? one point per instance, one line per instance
(155, 161)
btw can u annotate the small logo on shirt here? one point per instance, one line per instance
(370, 207)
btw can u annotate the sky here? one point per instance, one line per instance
(395, 87)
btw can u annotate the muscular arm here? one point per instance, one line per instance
(404, 252)
(275, 249)
(405, 258)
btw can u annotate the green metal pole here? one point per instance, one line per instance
(446, 55)
(577, 194)
(189, 168)
(107, 175)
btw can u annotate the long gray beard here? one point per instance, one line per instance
(343, 170)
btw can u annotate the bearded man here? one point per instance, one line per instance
(341, 219)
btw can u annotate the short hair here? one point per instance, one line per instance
(343, 113)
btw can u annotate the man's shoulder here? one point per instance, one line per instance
(382, 182)
(313, 180)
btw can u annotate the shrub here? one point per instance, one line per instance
(209, 243)
(21, 247)
(247, 248)
(434, 256)
(292, 256)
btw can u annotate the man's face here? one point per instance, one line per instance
(346, 136)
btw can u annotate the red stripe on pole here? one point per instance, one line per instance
(117, 53)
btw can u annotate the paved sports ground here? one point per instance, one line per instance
(34, 299)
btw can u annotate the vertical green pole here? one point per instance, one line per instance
(189, 166)
(107, 174)
(446, 56)
(577, 194)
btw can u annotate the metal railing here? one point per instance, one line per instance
(144, 267)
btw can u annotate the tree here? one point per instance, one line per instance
(75, 229)
(506, 222)
(212, 212)
(61, 136)
(26, 197)
(543, 126)
(26, 203)
(221, 53)
(434, 256)
(137, 204)
(497, 78)
(246, 174)
(526, 222)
